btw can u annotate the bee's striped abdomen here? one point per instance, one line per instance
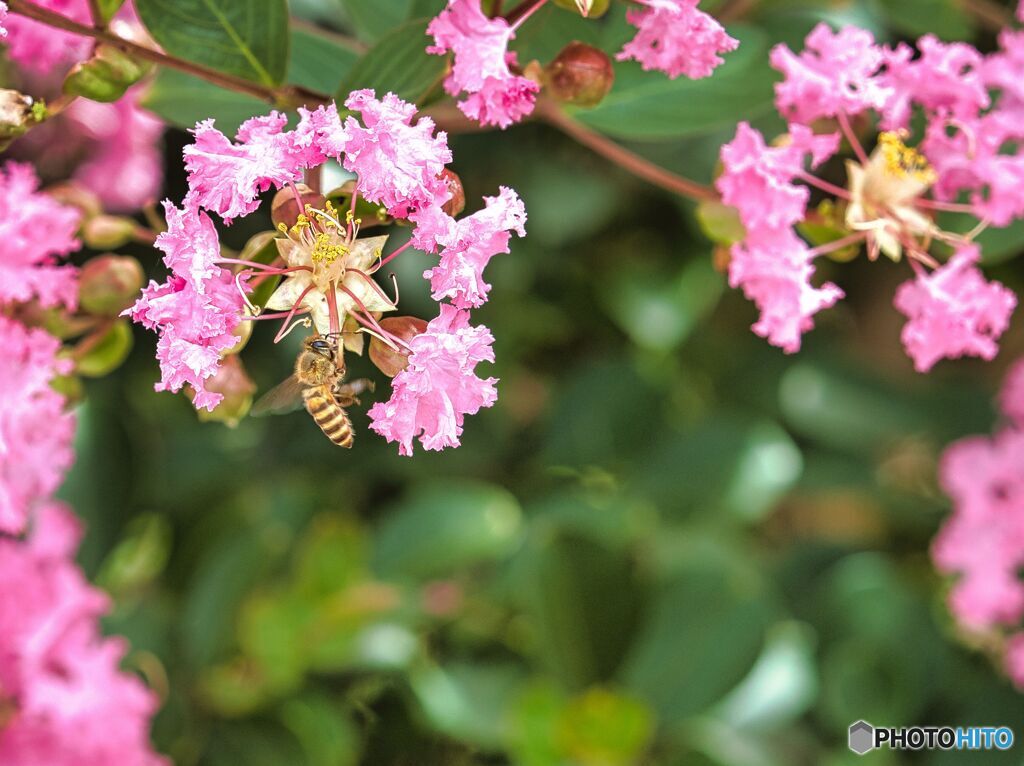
(329, 415)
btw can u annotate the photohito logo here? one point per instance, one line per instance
(863, 737)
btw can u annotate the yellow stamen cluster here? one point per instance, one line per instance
(325, 250)
(904, 161)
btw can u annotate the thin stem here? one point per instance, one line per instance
(285, 96)
(295, 307)
(949, 207)
(838, 244)
(991, 14)
(844, 124)
(275, 315)
(523, 11)
(97, 14)
(624, 158)
(825, 186)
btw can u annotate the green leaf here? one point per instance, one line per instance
(399, 63)
(442, 527)
(373, 19)
(648, 105)
(702, 637)
(327, 734)
(946, 19)
(107, 353)
(319, 62)
(247, 38)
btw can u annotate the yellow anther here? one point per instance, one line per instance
(326, 251)
(902, 160)
(282, 227)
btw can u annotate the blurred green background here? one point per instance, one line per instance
(668, 543)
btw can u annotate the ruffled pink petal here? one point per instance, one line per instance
(676, 38)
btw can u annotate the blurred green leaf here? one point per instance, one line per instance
(328, 736)
(947, 19)
(442, 527)
(109, 8)
(398, 63)
(603, 728)
(648, 105)
(139, 557)
(720, 223)
(703, 635)
(248, 38)
(372, 19)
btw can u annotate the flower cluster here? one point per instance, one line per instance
(324, 266)
(63, 698)
(983, 540)
(673, 37)
(892, 195)
(43, 49)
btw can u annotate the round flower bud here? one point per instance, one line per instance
(457, 203)
(107, 232)
(233, 382)
(108, 284)
(285, 208)
(581, 75)
(388, 360)
(75, 195)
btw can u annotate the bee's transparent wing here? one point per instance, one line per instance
(284, 397)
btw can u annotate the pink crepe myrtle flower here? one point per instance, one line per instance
(41, 48)
(65, 699)
(1014, 659)
(197, 310)
(431, 397)
(953, 312)
(467, 250)
(1011, 398)
(3, 19)
(122, 157)
(675, 37)
(983, 540)
(892, 193)
(35, 430)
(35, 230)
(227, 178)
(482, 61)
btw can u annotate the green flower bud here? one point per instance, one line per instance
(107, 232)
(108, 284)
(106, 76)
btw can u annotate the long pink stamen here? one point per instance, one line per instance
(844, 124)
(276, 315)
(950, 207)
(527, 14)
(372, 284)
(291, 313)
(395, 254)
(262, 266)
(373, 323)
(838, 244)
(332, 308)
(825, 186)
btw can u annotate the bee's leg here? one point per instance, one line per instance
(348, 393)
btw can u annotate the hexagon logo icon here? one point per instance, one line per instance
(862, 737)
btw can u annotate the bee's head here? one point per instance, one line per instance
(322, 346)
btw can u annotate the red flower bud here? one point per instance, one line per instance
(580, 75)
(285, 208)
(388, 360)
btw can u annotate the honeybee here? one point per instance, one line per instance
(318, 383)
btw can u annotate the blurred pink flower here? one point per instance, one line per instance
(227, 178)
(1011, 397)
(953, 312)
(35, 229)
(481, 67)
(398, 163)
(473, 241)
(41, 48)
(35, 430)
(122, 158)
(676, 38)
(431, 396)
(983, 539)
(70, 703)
(196, 311)
(837, 73)
(1014, 659)
(3, 20)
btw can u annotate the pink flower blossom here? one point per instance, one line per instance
(476, 239)
(227, 178)
(34, 230)
(481, 67)
(3, 19)
(676, 38)
(953, 312)
(983, 540)
(836, 74)
(123, 161)
(398, 163)
(41, 48)
(946, 78)
(431, 397)
(35, 430)
(198, 308)
(1011, 398)
(71, 703)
